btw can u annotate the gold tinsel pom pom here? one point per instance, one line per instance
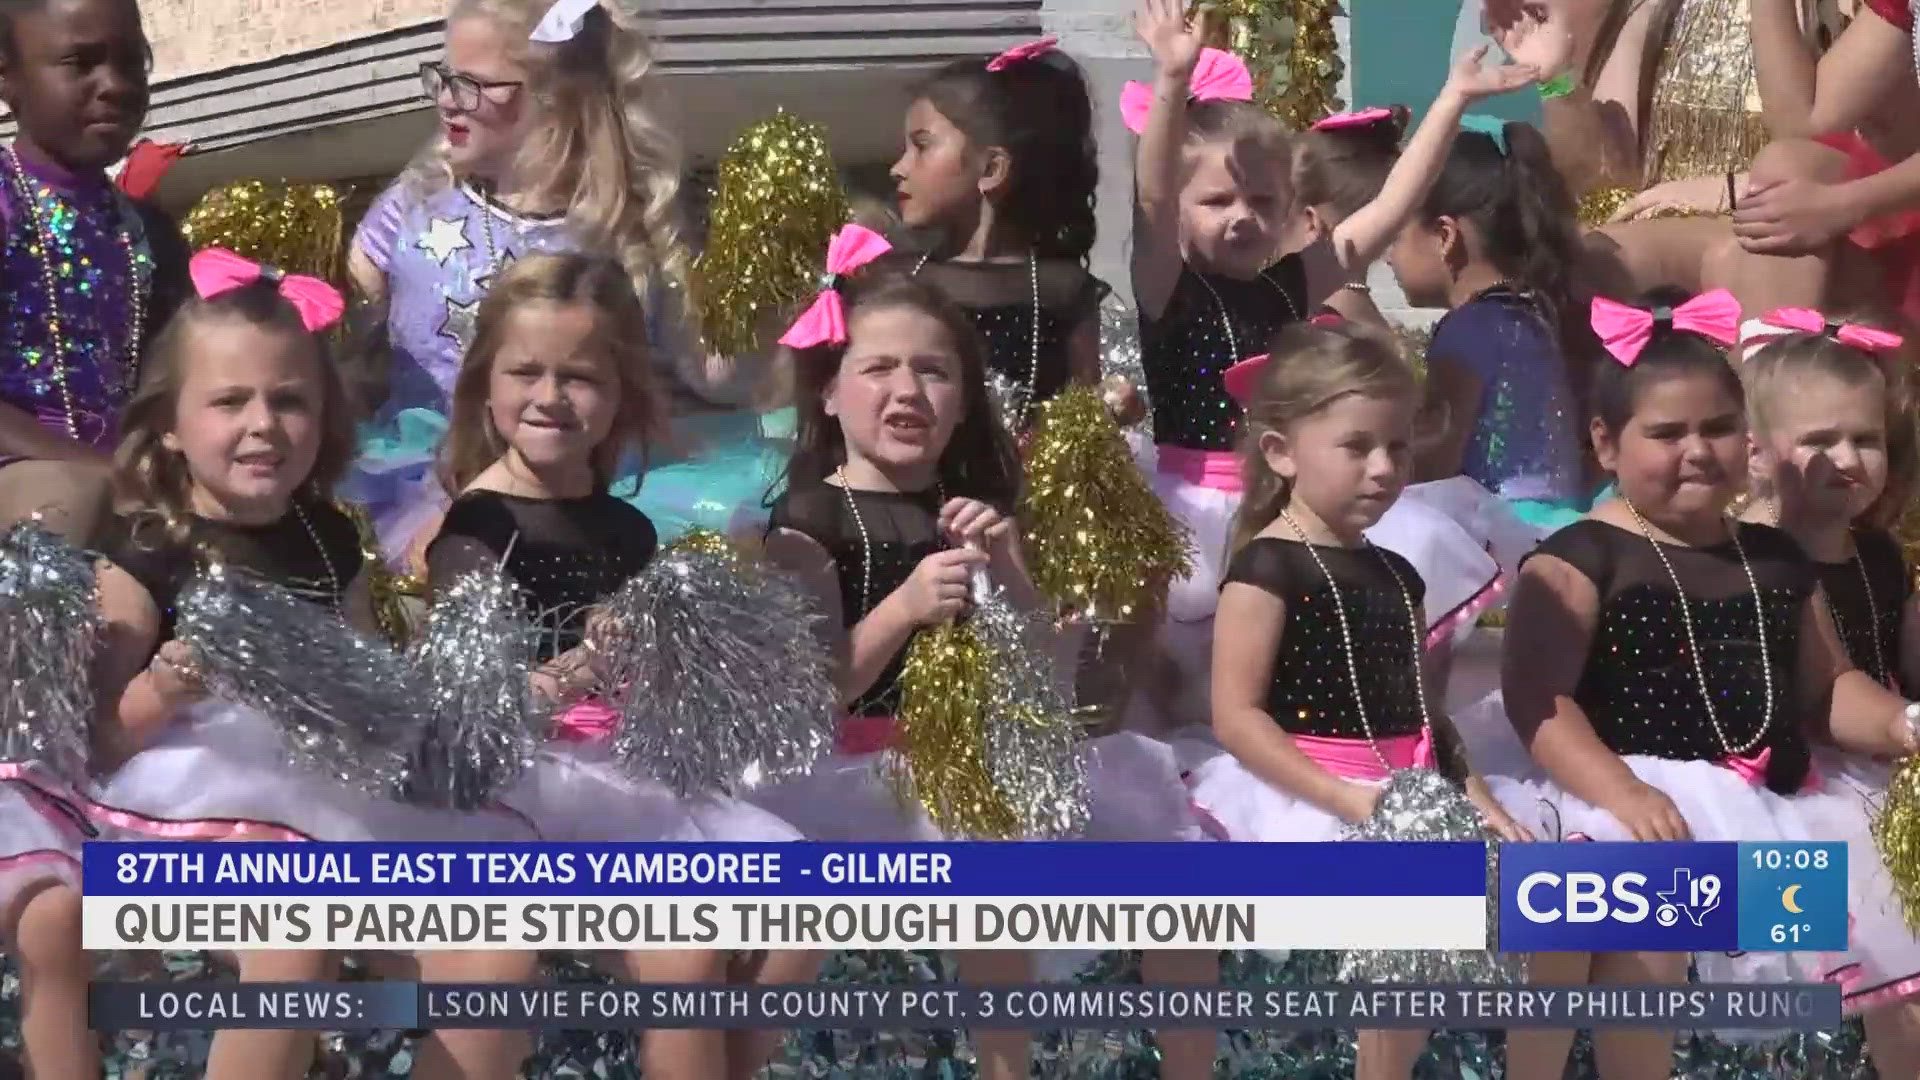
(1896, 832)
(1098, 541)
(296, 227)
(777, 203)
(1291, 50)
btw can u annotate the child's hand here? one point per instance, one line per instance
(975, 524)
(1905, 733)
(938, 590)
(1355, 802)
(1123, 400)
(1496, 816)
(1174, 40)
(175, 672)
(1648, 814)
(1472, 78)
(1532, 33)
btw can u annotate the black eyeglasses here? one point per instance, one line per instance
(464, 90)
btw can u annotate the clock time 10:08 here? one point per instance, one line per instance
(1799, 859)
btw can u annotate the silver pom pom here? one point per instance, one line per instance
(342, 698)
(727, 685)
(483, 721)
(1032, 739)
(1120, 349)
(1422, 805)
(48, 624)
(1009, 400)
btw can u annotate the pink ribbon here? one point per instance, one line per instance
(1218, 470)
(1361, 118)
(1625, 329)
(1244, 377)
(217, 270)
(1020, 54)
(1753, 769)
(1219, 76)
(825, 321)
(1354, 759)
(865, 734)
(1808, 321)
(587, 720)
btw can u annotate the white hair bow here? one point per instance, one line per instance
(563, 21)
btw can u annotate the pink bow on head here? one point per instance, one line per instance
(217, 270)
(1243, 377)
(1219, 76)
(1021, 53)
(825, 320)
(1808, 321)
(1625, 330)
(1363, 118)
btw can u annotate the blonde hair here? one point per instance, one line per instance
(153, 480)
(1242, 127)
(1311, 368)
(473, 443)
(600, 147)
(1767, 373)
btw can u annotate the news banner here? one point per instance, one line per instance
(1576, 897)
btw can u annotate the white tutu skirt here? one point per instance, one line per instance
(1882, 964)
(574, 794)
(39, 843)
(219, 773)
(1719, 805)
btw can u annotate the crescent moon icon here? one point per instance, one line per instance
(1788, 901)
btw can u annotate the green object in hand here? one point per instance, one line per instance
(1559, 86)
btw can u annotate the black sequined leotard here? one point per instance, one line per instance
(1870, 625)
(565, 555)
(1639, 689)
(1000, 297)
(1210, 324)
(902, 529)
(283, 552)
(1312, 690)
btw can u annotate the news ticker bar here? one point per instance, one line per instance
(409, 1006)
(1572, 897)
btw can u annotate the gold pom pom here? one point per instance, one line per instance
(703, 542)
(777, 203)
(296, 227)
(942, 724)
(1292, 52)
(1098, 541)
(1896, 832)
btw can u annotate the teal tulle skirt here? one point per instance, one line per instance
(723, 479)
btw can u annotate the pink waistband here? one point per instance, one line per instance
(87, 812)
(865, 734)
(1216, 469)
(1354, 759)
(586, 720)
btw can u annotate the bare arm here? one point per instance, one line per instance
(1840, 703)
(1242, 671)
(859, 654)
(1858, 73)
(1784, 68)
(369, 281)
(23, 435)
(1453, 394)
(1157, 256)
(136, 694)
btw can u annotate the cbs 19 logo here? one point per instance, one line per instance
(1583, 896)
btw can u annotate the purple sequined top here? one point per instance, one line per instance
(440, 248)
(100, 259)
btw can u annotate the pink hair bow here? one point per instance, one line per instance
(1243, 377)
(1219, 76)
(1808, 321)
(1625, 330)
(825, 321)
(1020, 54)
(217, 270)
(1362, 118)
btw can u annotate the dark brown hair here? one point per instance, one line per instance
(979, 462)
(1346, 167)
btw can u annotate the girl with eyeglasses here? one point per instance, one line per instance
(548, 143)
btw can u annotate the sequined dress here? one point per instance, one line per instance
(1311, 691)
(565, 555)
(1641, 694)
(101, 282)
(226, 766)
(440, 248)
(1135, 787)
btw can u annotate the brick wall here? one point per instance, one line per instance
(193, 36)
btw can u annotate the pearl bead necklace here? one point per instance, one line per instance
(334, 589)
(1693, 644)
(1346, 636)
(1226, 321)
(866, 542)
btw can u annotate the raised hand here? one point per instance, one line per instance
(1472, 77)
(1174, 39)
